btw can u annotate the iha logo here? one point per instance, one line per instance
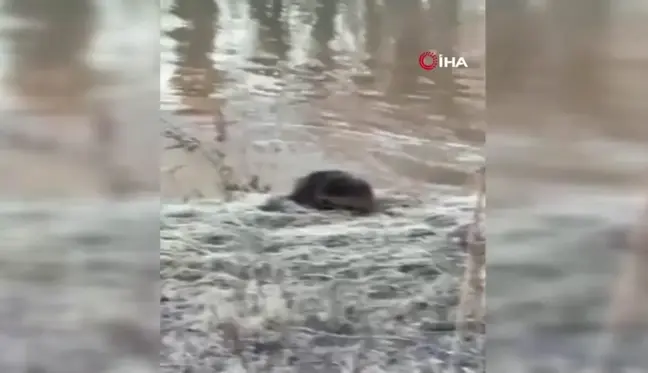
(430, 60)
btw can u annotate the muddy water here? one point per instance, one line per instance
(340, 86)
(297, 86)
(568, 161)
(55, 66)
(312, 84)
(79, 273)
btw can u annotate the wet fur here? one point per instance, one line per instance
(334, 190)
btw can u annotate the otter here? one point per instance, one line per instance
(334, 190)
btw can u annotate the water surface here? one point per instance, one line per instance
(298, 86)
(568, 159)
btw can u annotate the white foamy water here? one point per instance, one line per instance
(311, 290)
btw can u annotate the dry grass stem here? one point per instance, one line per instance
(227, 179)
(629, 305)
(471, 309)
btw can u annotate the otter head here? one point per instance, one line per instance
(334, 190)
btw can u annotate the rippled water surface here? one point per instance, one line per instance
(310, 84)
(568, 160)
(283, 88)
(56, 64)
(78, 281)
(307, 291)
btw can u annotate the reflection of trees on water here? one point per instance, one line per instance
(420, 27)
(272, 32)
(324, 30)
(195, 75)
(510, 46)
(409, 44)
(373, 33)
(443, 23)
(582, 27)
(392, 35)
(49, 60)
(557, 49)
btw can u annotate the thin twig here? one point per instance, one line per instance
(472, 297)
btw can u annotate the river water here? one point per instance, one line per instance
(567, 156)
(311, 81)
(79, 271)
(566, 148)
(55, 66)
(294, 88)
(318, 85)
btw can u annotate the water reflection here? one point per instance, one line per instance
(328, 79)
(49, 65)
(324, 30)
(69, 76)
(560, 56)
(195, 77)
(567, 165)
(75, 267)
(272, 28)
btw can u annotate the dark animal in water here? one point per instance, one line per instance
(334, 190)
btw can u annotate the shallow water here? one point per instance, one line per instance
(567, 165)
(317, 86)
(105, 55)
(78, 282)
(309, 290)
(551, 274)
(357, 105)
(322, 106)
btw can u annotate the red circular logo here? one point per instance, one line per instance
(429, 60)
